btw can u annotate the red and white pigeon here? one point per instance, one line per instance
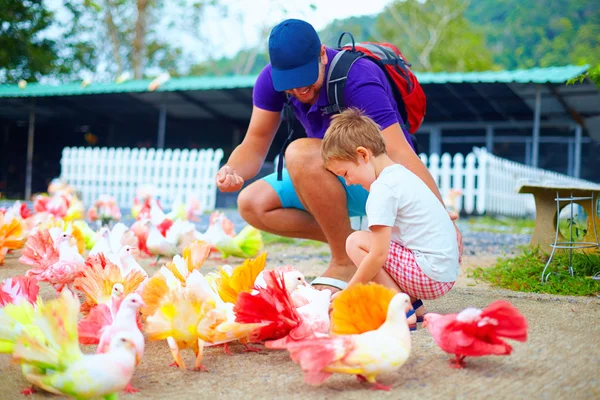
(58, 204)
(153, 211)
(57, 263)
(180, 235)
(141, 229)
(101, 327)
(474, 332)
(18, 289)
(273, 306)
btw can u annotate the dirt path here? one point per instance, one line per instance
(560, 360)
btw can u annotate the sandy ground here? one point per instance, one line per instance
(560, 360)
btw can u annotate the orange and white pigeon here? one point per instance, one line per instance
(20, 211)
(182, 308)
(99, 279)
(230, 282)
(474, 332)
(11, 234)
(363, 344)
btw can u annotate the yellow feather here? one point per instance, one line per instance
(241, 280)
(68, 227)
(79, 238)
(154, 293)
(173, 268)
(360, 309)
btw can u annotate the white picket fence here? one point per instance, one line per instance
(488, 183)
(502, 178)
(176, 173)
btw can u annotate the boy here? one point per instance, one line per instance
(411, 246)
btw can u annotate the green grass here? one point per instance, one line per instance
(501, 225)
(269, 239)
(575, 233)
(523, 273)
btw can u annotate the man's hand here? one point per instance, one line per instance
(228, 180)
(454, 217)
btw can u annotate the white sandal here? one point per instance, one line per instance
(326, 281)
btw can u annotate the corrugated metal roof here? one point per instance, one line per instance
(190, 83)
(534, 75)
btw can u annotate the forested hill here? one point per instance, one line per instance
(489, 34)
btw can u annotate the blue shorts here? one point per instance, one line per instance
(355, 194)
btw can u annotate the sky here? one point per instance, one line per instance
(228, 36)
(257, 13)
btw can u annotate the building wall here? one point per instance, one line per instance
(51, 136)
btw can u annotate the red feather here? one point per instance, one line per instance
(25, 212)
(164, 226)
(39, 250)
(23, 287)
(314, 355)
(271, 305)
(90, 328)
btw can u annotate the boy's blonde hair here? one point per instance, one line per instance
(347, 131)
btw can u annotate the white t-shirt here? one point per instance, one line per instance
(400, 199)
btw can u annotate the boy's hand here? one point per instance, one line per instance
(454, 217)
(228, 180)
(336, 294)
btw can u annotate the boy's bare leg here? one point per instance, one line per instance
(358, 246)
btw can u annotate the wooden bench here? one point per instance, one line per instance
(550, 198)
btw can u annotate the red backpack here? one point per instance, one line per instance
(408, 93)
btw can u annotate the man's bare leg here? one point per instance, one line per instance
(259, 205)
(320, 192)
(324, 197)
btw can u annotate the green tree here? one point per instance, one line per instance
(539, 34)
(24, 52)
(33, 45)
(434, 35)
(136, 36)
(362, 29)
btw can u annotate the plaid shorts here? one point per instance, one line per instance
(404, 270)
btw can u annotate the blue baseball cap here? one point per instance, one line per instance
(294, 49)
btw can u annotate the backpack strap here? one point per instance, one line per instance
(288, 115)
(336, 80)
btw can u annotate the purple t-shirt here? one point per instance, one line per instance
(367, 89)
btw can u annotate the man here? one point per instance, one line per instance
(310, 202)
